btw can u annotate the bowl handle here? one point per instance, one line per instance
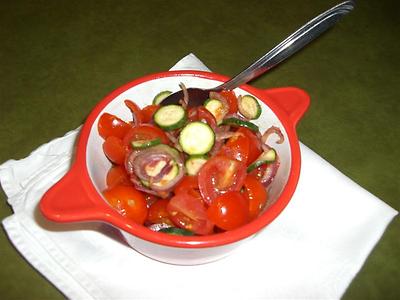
(71, 200)
(293, 101)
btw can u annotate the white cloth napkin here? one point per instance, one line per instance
(311, 251)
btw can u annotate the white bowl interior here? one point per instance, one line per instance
(143, 94)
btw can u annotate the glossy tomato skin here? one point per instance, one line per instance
(135, 110)
(114, 149)
(117, 175)
(158, 213)
(237, 147)
(128, 202)
(189, 212)
(256, 194)
(187, 183)
(148, 112)
(200, 113)
(232, 100)
(229, 211)
(255, 148)
(144, 132)
(110, 125)
(220, 174)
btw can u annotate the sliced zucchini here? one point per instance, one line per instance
(141, 144)
(237, 122)
(216, 108)
(176, 231)
(170, 117)
(161, 96)
(249, 107)
(194, 163)
(197, 138)
(265, 158)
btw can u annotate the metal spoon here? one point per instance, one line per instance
(283, 50)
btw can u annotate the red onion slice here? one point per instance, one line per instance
(270, 131)
(161, 159)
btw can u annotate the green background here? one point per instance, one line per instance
(58, 58)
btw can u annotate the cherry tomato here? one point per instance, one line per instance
(229, 211)
(128, 202)
(114, 149)
(219, 175)
(148, 112)
(187, 183)
(117, 175)
(189, 212)
(135, 110)
(255, 148)
(158, 212)
(110, 125)
(144, 132)
(256, 194)
(232, 100)
(200, 113)
(237, 147)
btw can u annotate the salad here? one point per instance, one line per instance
(189, 170)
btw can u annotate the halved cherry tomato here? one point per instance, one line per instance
(158, 212)
(229, 211)
(117, 175)
(237, 147)
(219, 175)
(135, 110)
(200, 113)
(148, 112)
(128, 202)
(144, 132)
(110, 125)
(187, 183)
(189, 212)
(255, 148)
(256, 194)
(114, 149)
(232, 100)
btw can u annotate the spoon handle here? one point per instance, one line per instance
(290, 45)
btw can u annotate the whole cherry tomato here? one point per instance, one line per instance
(117, 175)
(110, 125)
(229, 211)
(256, 194)
(128, 202)
(114, 149)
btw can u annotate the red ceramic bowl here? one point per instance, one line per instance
(77, 196)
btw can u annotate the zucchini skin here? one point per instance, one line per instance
(160, 97)
(164, 112)
(251, 102)
(145, 144)
(238, 122)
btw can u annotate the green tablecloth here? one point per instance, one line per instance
(58, 58)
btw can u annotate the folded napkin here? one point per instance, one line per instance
(312, 250)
